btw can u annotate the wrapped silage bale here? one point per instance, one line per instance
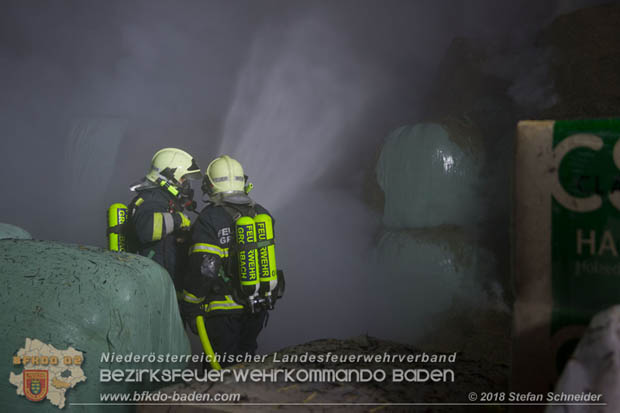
(8, 231)
(421, 272)
(85, 302)
(429, 177)
(428, 254)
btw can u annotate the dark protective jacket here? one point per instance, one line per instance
(211, 278)
(153, 220)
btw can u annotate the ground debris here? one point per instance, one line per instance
(386, 396)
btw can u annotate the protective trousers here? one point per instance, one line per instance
(234, 334)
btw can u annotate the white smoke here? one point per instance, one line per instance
(291, 107)
(287, 125)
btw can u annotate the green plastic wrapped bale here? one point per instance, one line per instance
(8, 231)
(429, 177)
(81, 305)
(442, 261)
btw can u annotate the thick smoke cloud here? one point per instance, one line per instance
(303, 93)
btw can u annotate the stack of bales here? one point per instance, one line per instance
(428, 253)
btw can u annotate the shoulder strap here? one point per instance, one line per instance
(236, 211)
(135, 203)
(117, 229)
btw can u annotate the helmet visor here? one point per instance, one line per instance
(193, 175)
(193, 172)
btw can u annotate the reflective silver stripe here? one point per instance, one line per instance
(224, 305)
(168, 222)
(193, 300)
(209, 248)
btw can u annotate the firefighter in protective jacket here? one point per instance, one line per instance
(233, 309)
(156, 217)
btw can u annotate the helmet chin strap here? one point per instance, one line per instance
(187, 197)
(247, 185)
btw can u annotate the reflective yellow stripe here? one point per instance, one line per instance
(158, 224)
(214, 308)
(228, 304)
(191, 298)
(209, 249)
(139, 201)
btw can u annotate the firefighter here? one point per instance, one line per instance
(158, 226)
(234, 311)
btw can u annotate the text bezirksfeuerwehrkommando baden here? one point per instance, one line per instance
(359, 375)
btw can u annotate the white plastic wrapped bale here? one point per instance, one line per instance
(91, 147)
(420, 275)
(592, 374)
(85, 300)
(429, 177)
(91, 150)
(8, 231)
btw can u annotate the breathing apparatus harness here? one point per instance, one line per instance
(260, 283)
(255, 258)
